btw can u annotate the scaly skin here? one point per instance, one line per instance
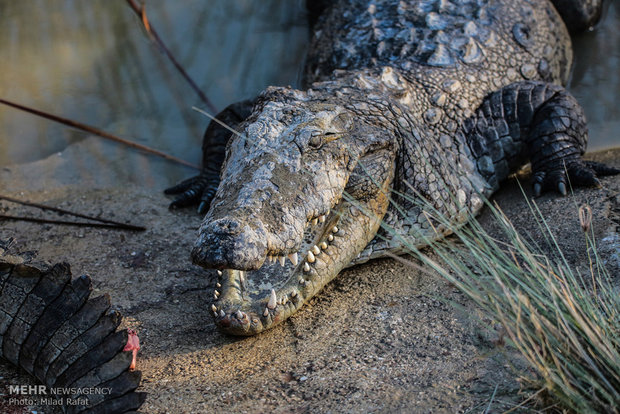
(51, 328)
(432, 99)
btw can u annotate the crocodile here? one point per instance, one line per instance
(402, 100)
(52, 328)
(436, 99)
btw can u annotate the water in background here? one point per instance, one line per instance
(91, 61)
(596, 79)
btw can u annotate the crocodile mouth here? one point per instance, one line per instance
(248, 302)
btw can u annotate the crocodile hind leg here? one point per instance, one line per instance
(201, 188)
(51, 328)
(579, 15)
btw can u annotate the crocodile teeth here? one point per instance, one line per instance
(239, 314)
(306, 267)
(302, 281)
(266, 312)
(330, 237)
(311, 257)
(315, 221)
(218, 284)
(335, 229)
(214, 308)
(323, 245)
(293, 258)
(316, 250)
(219, 273)
(241, 276)
(272, 300)
(322, 218)
(293, 293)
(216, 293)
(284, 300)
(282, 260)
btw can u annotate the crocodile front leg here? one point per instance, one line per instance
(536, 121)
(201, 188)
(533, 121)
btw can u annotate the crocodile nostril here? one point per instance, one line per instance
(225, 227)
(230, 243)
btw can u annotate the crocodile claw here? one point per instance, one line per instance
(562, 188)
(577, 174)
(203, 207)
(196, 190)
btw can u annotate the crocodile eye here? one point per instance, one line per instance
(315, 141)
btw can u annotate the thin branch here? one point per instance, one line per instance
(141, 13)
(120, 226)
(97, 131)
(109, 223)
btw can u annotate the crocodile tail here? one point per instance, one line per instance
(54, 330)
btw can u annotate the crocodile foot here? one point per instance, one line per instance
(576, 174)
(199, 189)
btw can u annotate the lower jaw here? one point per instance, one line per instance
(351, 227)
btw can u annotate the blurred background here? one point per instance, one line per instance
(91, 61)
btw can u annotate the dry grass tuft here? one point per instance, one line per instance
(565, 324)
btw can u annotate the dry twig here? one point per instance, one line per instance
(97, 131)
(101, 221)
(72, 223)
(141, 13)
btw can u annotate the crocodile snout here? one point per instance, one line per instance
(230, 243)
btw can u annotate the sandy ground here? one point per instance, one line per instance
(382, 337)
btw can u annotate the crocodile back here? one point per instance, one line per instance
(504, 40)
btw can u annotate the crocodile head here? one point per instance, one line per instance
(303, 189)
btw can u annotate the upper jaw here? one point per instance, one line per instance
(250, 221)
(246, 244)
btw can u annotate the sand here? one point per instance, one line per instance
(383, 337)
